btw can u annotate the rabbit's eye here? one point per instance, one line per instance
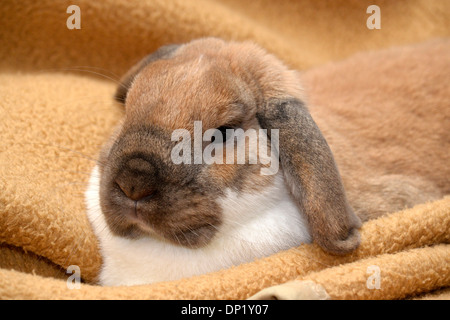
(225, 135)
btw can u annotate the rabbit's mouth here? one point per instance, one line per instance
(192, 225)
(195, 236)
(190, 236)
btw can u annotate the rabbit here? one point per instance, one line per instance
(158, 221)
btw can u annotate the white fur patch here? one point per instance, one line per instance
(254, 225)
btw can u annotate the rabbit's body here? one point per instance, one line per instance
(274, 225)
(157, 220)
(388, 125)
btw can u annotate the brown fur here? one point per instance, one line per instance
(392, 154)
(235, 84)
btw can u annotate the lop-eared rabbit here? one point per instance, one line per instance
(157, 219)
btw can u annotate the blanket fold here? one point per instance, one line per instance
(406, 267)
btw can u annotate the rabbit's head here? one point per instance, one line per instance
(208, 119)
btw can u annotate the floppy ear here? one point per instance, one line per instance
(126, 81)
(311, 174)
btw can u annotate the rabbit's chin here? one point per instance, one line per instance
(254, 225)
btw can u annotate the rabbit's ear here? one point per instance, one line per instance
(126, 81)
(311, 174)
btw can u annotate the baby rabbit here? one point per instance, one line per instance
(158, 219)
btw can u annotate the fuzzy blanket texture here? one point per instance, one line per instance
(57, 110)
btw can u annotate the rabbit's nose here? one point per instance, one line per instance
(134, 180)
(135, 192)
